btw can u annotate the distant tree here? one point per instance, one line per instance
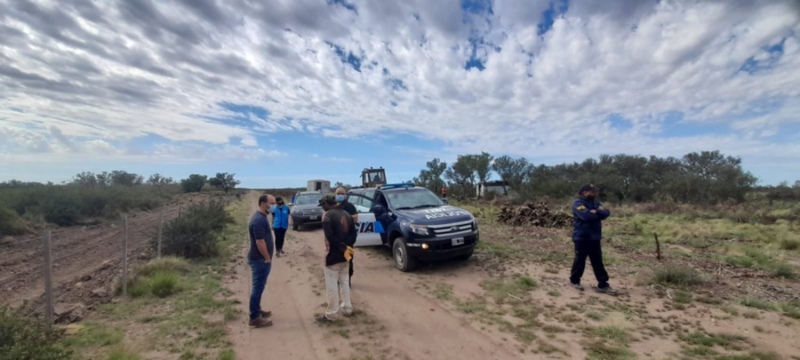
(513, 171)
(158, 180)
(224, 181)
(338, 184)
(104, 179)
(18, 184)
(86, 178)
(462, 174)
(194, 183)
(483, 166)
(431, 177)
(124, 178)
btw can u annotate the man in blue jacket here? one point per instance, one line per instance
(588, 214)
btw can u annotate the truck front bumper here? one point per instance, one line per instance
(442, 249)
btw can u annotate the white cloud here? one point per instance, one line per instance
(102, 74)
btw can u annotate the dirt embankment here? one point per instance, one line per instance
(87, 261)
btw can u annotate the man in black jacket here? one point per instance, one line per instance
(338, 227)
(588, 215)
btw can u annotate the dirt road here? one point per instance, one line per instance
(394, 317)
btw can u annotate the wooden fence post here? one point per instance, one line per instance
(160, 232)
(48, 279)
(125, 259)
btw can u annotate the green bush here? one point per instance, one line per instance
(23, 338)
(167, 263)
(790, 244)
(138, 288)
(678, 276)
(10, 223)
(67, 205)
(164, 284)
(195, 234)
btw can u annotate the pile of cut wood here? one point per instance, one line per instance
(533, 214)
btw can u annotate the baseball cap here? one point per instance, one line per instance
(327, 198)
(587, 187)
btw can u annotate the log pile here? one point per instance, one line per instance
(533, 214)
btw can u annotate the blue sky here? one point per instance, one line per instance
(279, 92)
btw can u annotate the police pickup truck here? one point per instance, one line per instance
(414, 222)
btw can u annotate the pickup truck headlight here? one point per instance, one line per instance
(420, 230)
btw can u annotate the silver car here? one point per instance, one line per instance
(305, 209)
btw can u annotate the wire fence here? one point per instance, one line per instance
(77, 265)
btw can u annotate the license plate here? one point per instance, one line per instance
(313, 217)
(458, 241)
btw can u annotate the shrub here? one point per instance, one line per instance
(194, 183)
(137, 288)
(790, 244)
(784, 271)
(10, 223)
(67, 205)
(168, 263)
(27, 338)
(678, 276)
(164, 284)
(196, 232)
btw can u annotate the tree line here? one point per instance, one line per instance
(699, 177)
(194, 183)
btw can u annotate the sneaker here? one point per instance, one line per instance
(323, 320)
(607, 290)
(577, 286)
(260, 322)
(266, 314)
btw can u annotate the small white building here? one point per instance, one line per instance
(323, 186)
(493, 186)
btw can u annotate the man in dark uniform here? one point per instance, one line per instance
(342, 203)
(588, 214)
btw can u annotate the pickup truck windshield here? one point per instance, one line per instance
(307, 199)
(413, 199)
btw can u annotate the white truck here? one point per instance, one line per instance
(323, 186)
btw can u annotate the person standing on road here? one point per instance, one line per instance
(342, 203)
(337, 226)
(260, 259)
(588, 215)
(280, 224)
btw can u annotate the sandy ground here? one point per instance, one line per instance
(394, 318)
(401, 315)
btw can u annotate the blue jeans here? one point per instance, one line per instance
(260, 273)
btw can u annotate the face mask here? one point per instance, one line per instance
(339, 198)
(590, 198)
(272, 208)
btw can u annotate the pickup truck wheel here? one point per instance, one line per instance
(402, 259)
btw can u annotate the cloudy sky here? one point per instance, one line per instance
(280, 91)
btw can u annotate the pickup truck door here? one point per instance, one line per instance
(369, 231)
